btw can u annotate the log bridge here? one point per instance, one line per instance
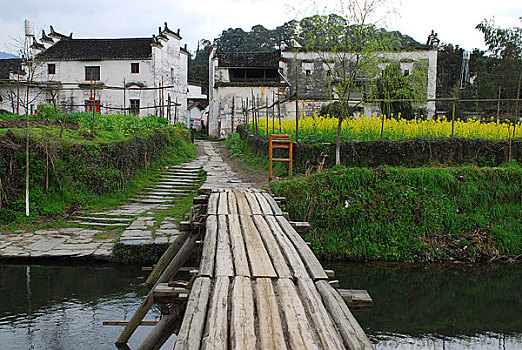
(258, 284)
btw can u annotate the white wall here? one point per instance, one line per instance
(168, 62)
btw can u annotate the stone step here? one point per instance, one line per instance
(100, 224)
(104, 218)
(174, 188)
(181, 177)
(152, 201)
(186, 168)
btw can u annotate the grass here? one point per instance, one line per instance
(239, 150)
(55, 203)
(410, 214)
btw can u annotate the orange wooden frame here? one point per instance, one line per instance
(284, 142)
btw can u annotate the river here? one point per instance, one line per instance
(457, 306)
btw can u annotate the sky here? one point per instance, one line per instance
(453, 20)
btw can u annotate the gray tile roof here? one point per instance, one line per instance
(267, 59)
(98, 49)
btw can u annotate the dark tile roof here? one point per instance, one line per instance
(98, 49)
(9, 65)
(267, 59)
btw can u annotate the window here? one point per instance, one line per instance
(135, 68)
(242, 74)
(134, 106)
(51, 68)
(92, 73)
(406, 72)
(90, 104)
(308, 67)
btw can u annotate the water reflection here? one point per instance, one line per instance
(63, 307)
(453, 306)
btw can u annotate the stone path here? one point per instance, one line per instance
(93, 235)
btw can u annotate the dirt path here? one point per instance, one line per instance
(257, 177)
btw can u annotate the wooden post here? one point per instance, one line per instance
(170, 271)
(273, 112)
(296, 106)
(124, 98)
(162, 331)
(498, 104)
(169, 254)
(383, 118)
(233, 111)
(279, 112)
(266, 112)
(93, 106)
(453, 119)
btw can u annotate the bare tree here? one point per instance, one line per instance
(352, 49)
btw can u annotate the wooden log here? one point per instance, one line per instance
(175, 264)
(278, 260)
(242, 203)
(216, 336)
(242, 332)
(223, 203)
(206, 267)
(270, 327)
(355, 299)
(291, 254)
(351, 332)
(266, 209)
(238, 247)
(162, 332)
(185, 226)
(330, 273)
(166, 258)
(169, 272)
(224, 265)
(254, 205)
(275, 208)
(303, 228)
(280, 199)
(213, 203)
(191, 332)
(124, 323)
(312, 264)
(232, 203)
(301, 334)
(260, 262)
(334, 283)
(163, 293)
(201, 199)
(328, 334)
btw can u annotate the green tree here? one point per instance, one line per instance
(392, 87)
(348, 45)
(506, 46)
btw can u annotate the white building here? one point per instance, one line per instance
(265, 77)
(143, 76)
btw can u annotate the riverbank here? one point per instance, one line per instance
(410, 214)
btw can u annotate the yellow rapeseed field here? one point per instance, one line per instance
(364, 128)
